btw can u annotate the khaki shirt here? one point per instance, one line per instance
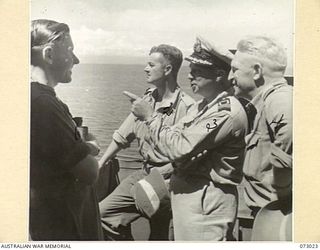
(268, 161)
(170, 111)
(219, 127)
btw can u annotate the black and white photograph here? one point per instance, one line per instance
(161, 120)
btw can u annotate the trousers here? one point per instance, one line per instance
(118, 210)
(202, 210)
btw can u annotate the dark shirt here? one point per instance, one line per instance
(61, 208)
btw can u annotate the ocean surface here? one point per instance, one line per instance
(95, 94)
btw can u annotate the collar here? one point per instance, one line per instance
(203, 105)
(218, 98)
(39, 88)
(168, 103)
(258, 103)
(266, 90)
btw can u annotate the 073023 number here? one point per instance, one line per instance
(308, 245)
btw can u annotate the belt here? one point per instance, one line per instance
(165, 169)
(148, 165)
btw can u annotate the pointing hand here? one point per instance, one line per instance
(140, 108)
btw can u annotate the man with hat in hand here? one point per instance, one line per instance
(257, 74)
(203, 192)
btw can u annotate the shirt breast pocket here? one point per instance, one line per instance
(257, 160)
(252, 140)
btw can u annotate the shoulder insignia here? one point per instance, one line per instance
(224, 104)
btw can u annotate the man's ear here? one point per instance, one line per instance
(221, 73)
(257, 74)
(222, 79)
(47, 54)
(168, 69)
(220, 76)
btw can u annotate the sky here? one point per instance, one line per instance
(123, 31)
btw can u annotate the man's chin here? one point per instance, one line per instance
(151, 81)
(65, 80)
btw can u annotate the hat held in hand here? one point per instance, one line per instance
(151, 193)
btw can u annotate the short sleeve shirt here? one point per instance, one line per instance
(171, 111)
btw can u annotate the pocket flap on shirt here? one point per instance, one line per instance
(252, 140)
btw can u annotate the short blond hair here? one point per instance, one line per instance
(172, 54)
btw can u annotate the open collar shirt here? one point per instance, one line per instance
(269, 145)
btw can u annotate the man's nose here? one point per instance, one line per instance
(190, 77)
(146, 69)
(75, 59)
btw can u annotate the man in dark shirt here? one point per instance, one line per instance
(63, 205)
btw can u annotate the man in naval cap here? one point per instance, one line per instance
(257, 74)
(203, 192)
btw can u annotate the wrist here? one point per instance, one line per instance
(149, 119)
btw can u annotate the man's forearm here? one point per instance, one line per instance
(176, 142)
(111, 151)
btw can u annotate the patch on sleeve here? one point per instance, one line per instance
(224, 104)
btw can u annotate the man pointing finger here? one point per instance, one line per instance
(139, 105)
(167, 100)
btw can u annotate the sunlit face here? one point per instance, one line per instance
(156, 68)
(63, 60)
(202, 80)
(242, 74)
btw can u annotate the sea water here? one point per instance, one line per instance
(95, 94)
